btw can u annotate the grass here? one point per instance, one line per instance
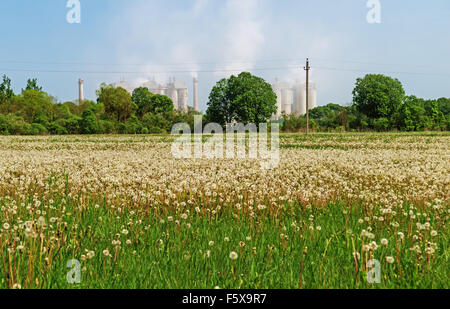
(187, 243)
(177, 253)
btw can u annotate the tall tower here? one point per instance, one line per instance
(196, 94)
(80, 91)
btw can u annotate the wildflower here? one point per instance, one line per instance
(226, 239)
(211, 243)
(184, 216)
(6, 226)
(90, 254)
(233, 255)
(434, 233)
(318, 228)
(384, 241)
(241, 244)
(125, 232)
(106, 252)
(170, 218)
(390, 259)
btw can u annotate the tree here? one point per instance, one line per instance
(32, 104)
(413, 114)
(245, 98)
(32, 85)
(161, 104)
(378, 96)
(6, 94)
(142, 97)
(89, 123)
(117, 102)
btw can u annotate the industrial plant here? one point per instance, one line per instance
(291, 99)
(176, 90)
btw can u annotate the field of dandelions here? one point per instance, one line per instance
(135, 217)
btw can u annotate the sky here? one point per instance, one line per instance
(138, 40)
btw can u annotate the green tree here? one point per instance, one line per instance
(89, 123)
(33, 85)
(33, 103)
(6, 94)
(142, 97)
(244, 98)
(378, 96)
(116, 101)
(161, 104)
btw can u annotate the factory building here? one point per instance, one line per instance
(176, 90)
(291, 99)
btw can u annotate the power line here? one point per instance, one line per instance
(240, 69)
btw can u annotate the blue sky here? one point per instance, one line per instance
(143, 39)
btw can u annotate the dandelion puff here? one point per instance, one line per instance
(384, 241)
(233, 255)
(390, 259)
(434, 233)
(211, 243)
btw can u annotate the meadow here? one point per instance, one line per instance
(135, 217)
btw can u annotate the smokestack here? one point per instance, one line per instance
(80, 91)
(196, 94)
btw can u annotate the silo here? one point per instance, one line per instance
(173, 94)
(183, 99)
(286, 95)
(299, 106)
(302, 103)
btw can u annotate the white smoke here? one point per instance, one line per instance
(244, 37)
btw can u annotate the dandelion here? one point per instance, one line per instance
(211, 243)
(170, 218)
(390, 259)
(434, 233)
(241, 244)
(226, 239)
(106, 252)
(318, 228)
(233, 255)
(384, 241)
(6, 226)
(125, 232)
(184, 216)
(90, 254)
(16, 286)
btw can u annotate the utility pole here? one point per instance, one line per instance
(307, 68)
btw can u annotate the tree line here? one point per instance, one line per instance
(379, 103)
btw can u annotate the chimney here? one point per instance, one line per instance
(80, 91)
(196, 94)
